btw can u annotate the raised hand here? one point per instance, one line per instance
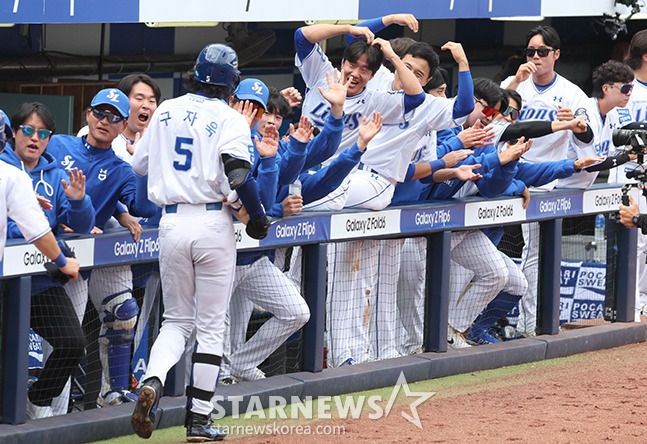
(336, 92)
(385, 47)
(305, 130)
(292, 95)
(407, 20)
(564, 113)
(458, 53)
(524, 71)
(247, 109)
(514, 152)
(270, 143)
(362, 32)
(587, 161)
(368, 130)
(476, 136)
(76, 188)
(466, 172)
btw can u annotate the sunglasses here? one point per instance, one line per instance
(543, 51)
(259, 109)
(487, 109)
(624, 89)
(101, 114)
(512, 112)
(29, 131)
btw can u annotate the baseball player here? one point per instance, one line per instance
(53, 316)
(546, 96)
(143, 95)
(635, 111)
(201, 148)
(110, 182)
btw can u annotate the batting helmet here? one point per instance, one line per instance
(217, 64)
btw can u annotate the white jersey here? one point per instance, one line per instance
(390, 152)
(18, 202)
(313, 69)
(635, 111)
(601, 146)
(181, 150)
(542, 104)
(118, 145)
(382, 80)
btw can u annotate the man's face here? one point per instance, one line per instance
(275, 119)
(546, 64)
(359, 72)
(142, 106)
(30, 148)
(483, 112)
(418, 66)
(513, 112)
(613, 92)
(102, 130)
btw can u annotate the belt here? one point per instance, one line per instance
(212, 206)
(367, 168)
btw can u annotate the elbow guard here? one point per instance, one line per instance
(236, 170)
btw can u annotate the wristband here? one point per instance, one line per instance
(61, 260)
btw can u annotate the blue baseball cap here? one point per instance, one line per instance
(5, 128)
(113, 97)
(253, 89)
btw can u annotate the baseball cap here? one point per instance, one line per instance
(253, 89)
(5, 128)
(113, 97)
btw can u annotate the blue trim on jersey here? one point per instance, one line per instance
(464, 103)
(375, 25)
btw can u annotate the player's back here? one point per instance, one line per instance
(186, 139)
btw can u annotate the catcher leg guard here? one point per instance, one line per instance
(120, 316)
(496, 310)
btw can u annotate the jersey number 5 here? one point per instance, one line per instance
(185, 165)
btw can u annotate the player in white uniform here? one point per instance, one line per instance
(196, 150)
(635, 111)
(546, 96)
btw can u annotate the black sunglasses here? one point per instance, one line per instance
(512, 112)
(624, 89)
(101, 114)
(543, 51)
(29, 131)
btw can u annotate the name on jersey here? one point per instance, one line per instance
(190, 117)
(148, 246)
(321, 112)
(305, 229)
(433, 218)
(537, 114)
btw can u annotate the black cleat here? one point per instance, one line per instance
(200, 428)
(143, 418)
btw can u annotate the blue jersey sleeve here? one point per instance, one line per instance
(375, 25)
(447, 141)
(464, 103)
(538, 174)
(291, 160)
(267, 180)
(412, 102)
(302, 44)
(325, 144)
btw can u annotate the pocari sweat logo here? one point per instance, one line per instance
(324, 407)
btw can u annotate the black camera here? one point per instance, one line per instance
(633, 135)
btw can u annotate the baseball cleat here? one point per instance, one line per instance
(455, 339)
(143, 418)
(480, 337)
(200, 428)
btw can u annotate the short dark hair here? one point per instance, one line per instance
(637, 48)
(489, 91)
(610, 72)
(440, 77)
(548, 33)
(192, 85)
(27, 109)
(126, 84)
(399, 45)
(514, 95)
(277, 103)
(358, 48)
(423, 50)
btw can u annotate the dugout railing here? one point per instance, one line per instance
(434, 220)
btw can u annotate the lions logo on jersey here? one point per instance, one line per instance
(581, 112)
(68, 162)
(103, 174)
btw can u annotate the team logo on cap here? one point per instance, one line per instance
(257, 88)
(113, 96)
